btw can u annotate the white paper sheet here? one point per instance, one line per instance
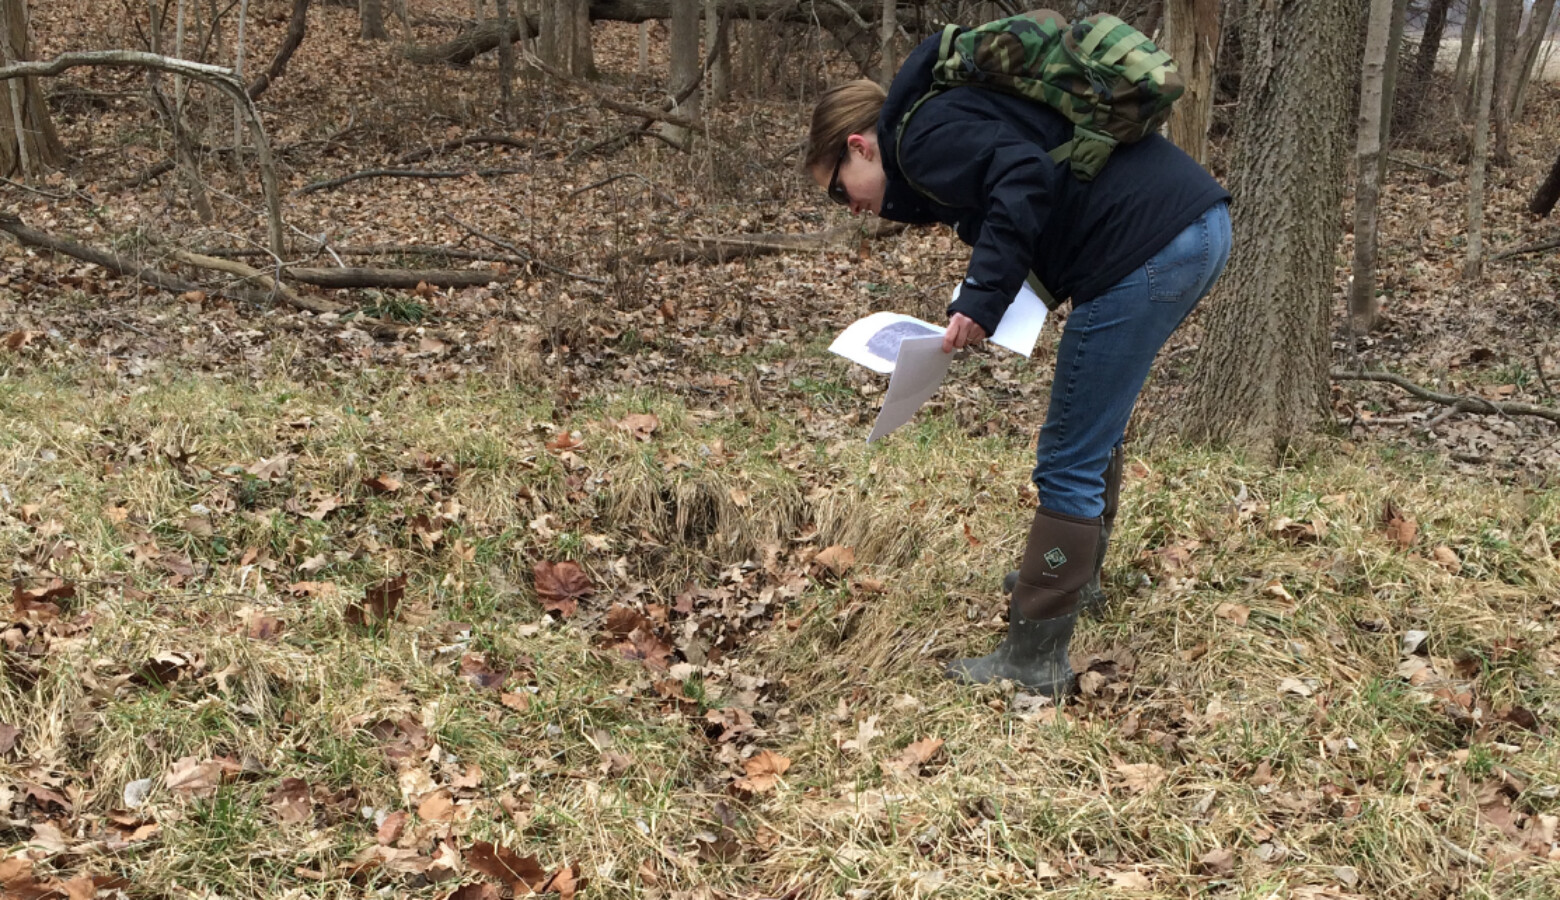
(910, 352)
(918, 371)
(1020, 327)
(874, 341)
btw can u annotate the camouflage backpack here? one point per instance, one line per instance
(1104, 75)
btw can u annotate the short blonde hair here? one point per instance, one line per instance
(843, 110)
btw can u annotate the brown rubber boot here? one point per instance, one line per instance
(1058, 561)
(1094, 600)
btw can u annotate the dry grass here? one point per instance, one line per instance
(1247, 694)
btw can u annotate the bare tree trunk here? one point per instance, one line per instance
(1506, 77)
(1261, 378)
(1527, 53)
(1548, 193)
(1424, 62)
(1192, 37)
(1461, 79)
(643, 65)
(371, 20)
(1473, 263)
(28, 144)
(685, 62)
(183, 149)
(716, 41)
(238, 70)
(583, 60)
(1374, 104)
(547, 32)
(506, 65)
(888, 27)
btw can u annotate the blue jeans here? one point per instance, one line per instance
(1106, 351)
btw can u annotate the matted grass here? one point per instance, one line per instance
(1251, 724)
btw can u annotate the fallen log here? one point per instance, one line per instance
(402, 173)
(724, 248)
(119, 265)
(392, 278)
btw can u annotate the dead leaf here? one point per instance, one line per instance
(390, 829)
(1399, 528)
(640, 425)
(913, 757)
(436, 807)
(1446, 558)
(476, 890)
(291, 801)
(382, 484)
(1235, 612)
(381, 603)
(1130, 880)
(16, 340)
(263, 628)
(838, 559)
(1217, 862)
(1140, 778)
(560, 586)
(195, 778)
(8, 735)
(763, 769)
(507, 866)
(1294, 686)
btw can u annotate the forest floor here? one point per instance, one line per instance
(584, 580)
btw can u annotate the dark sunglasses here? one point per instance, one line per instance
(836, 190)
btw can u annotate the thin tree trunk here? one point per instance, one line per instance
(1261, 378)
(1424, 60)
(547, 32)
(183, 149)
(1192, 37)
(1374, 103)
(888, 26)
(506, 65)
(1527, 53)
(685, 68)
(371, 19)
(719, 42)
(238, 70)
(643, 66)
(583, 60)
(1548, 193)
(1506, 77)
(31, 146)
(1473, 263)
(1461, 81)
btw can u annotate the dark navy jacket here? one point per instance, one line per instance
(982, 154)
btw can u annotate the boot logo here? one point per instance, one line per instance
(1055, 558)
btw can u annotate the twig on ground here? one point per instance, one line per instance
(233, 267)
(384, 250)
(1398, 160)
(618, 177)
(401, 173)
(720, 248)
(470, 140)
(505, 245)
(1540, 246)
(1459, 403)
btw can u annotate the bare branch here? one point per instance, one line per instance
(1458, 403)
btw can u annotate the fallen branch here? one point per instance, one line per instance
(531, 260)
(384, 250)
(233, 267)
(113, 262)
(392, 278)
(630, 109)
(472, 140)
(1538, 247)
(223, 79)
(401, 173)
(618, 177)
(284, 53)
(722, 248)
(1457, 402)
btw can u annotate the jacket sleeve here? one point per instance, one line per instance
(1006, 181)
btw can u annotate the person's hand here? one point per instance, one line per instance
(962, 332)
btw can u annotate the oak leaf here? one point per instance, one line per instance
(559, 586)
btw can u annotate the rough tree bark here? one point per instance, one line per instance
(1478, 162)
(1461, 77)
(888, 26)
(1527, 53)
(719, 42)
(28, 143)
(1548, 193)
(371, 20)
(1504, 92)
(1261, 379)
(1424, 62)
(1192, 37)
(1375, 102)
(685, 61)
